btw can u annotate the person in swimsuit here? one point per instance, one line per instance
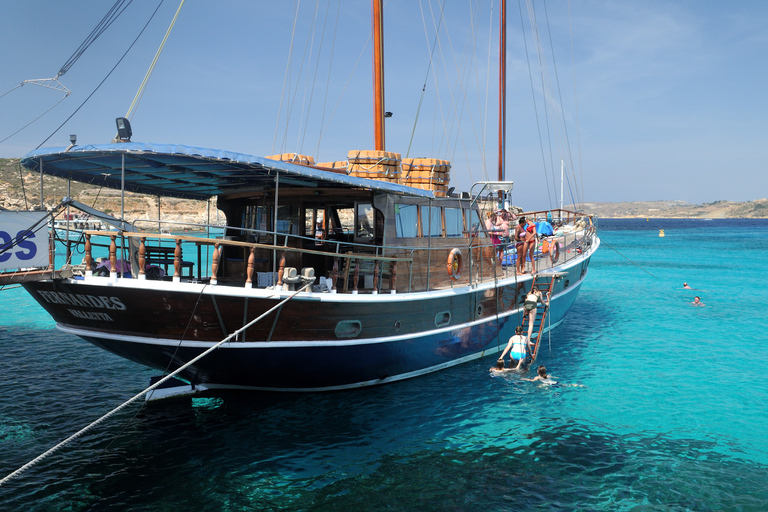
(491, 222)
(530, 244)
(502, 224)
(520, 236)
(530, 306)
(518, 347)
(686, 287)
(542, 377)
(697, 301)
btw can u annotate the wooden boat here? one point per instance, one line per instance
(380, 270)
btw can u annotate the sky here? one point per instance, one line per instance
(642, 99)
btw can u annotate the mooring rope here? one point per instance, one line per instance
(150, 388)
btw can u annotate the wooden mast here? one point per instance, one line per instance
(502, 86)
(378, 74)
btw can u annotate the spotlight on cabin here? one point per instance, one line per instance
(73, 139)
(387, 114)
(123, 129)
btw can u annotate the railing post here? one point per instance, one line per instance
(214, 263)
(112, 256)
(356, 275)
(392, 278)
(376, 277)
(88, 260)
(249, 272)
(142, 257)
(177, 261)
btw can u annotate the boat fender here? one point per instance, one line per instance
(554, 252)
(454, 264)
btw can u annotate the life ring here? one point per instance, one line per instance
(554, 252)
(454, 264)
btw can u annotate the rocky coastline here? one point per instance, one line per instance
(20, 190)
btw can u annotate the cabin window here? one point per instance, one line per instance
(431, 223)
(288, 220)
(347, 221)
(406, 220)
(454, 222)
(257, 218)
(364, 222)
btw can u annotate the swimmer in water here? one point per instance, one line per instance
(546, 379)
(499, 367)
(686, 287)
(542, 376)
(697, 301)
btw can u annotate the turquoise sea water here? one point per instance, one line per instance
(671, 416)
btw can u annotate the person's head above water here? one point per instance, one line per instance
(542, 371)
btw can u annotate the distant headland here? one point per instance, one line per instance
(14, 196)
(757, 209)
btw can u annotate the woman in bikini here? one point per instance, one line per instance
(530, 306)
(520, 236)
(530, 244)
(518, 348)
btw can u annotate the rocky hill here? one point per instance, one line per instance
(20, 190)
(680, 209)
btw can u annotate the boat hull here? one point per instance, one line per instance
(300, 346)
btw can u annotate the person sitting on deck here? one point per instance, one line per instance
(530, 306)
(518, 347)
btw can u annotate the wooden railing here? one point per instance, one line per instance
(348, 268)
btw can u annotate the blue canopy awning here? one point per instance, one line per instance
(188, 172)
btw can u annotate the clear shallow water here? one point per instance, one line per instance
(672, 415)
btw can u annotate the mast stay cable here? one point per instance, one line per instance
(53, 83)
(105, 78)
(140, 92)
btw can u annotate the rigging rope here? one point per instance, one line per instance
(144, 82)
(147, 390)
(105, 78)
(426, 76)
(287, 74)
(114, 12)
(328, 79)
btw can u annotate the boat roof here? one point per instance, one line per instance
(189, 172)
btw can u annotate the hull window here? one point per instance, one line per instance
(348, 328)
(443, 318)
